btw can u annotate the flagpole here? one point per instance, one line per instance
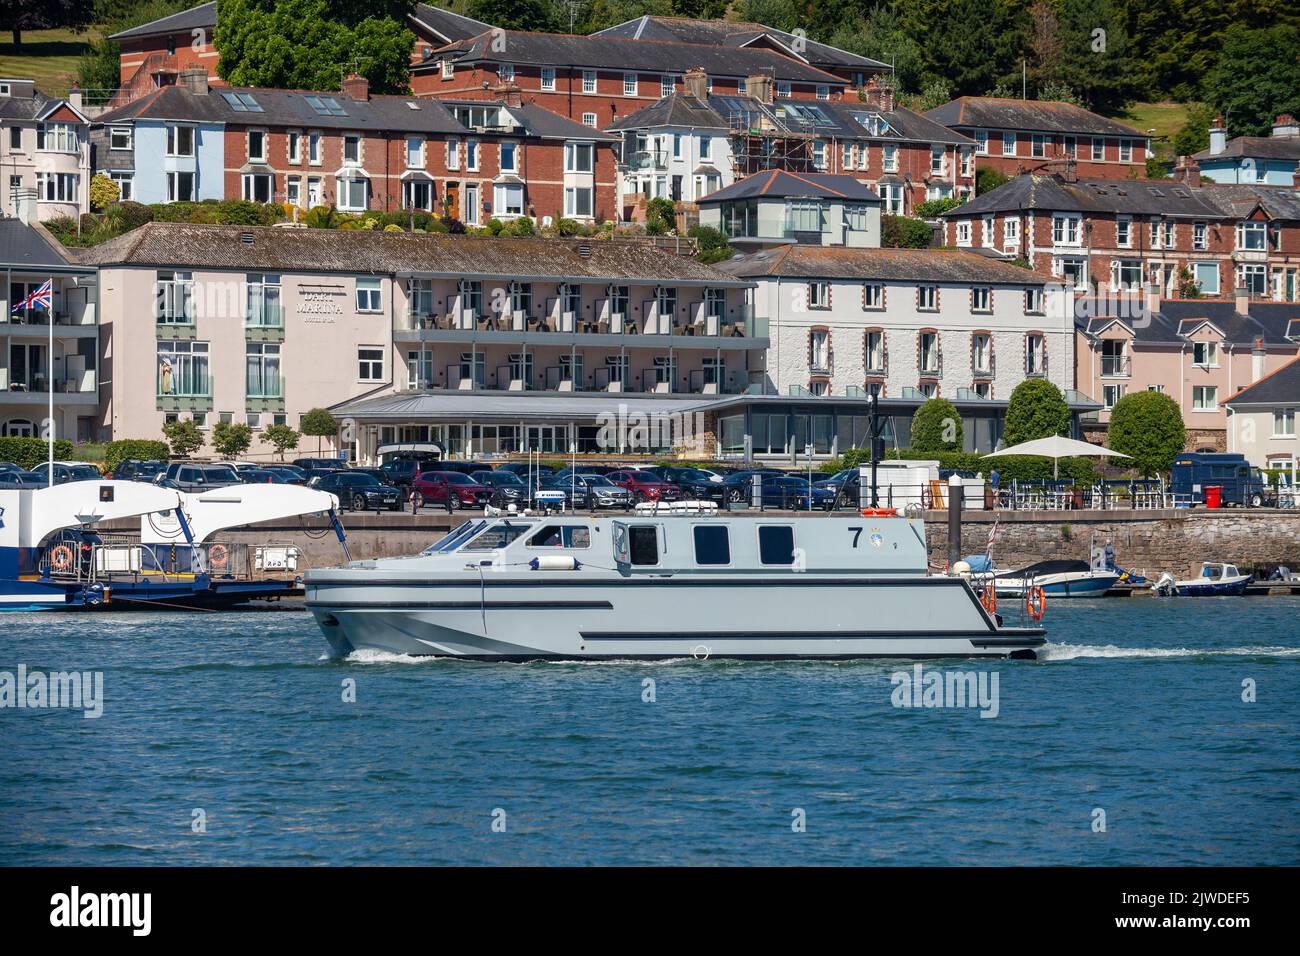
(49, 380)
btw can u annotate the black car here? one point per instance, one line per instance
(135, 469)
(318, 467)
(507, 487)
(523, 469)
(400, 472)
(695, 484)
(265, 476)
(198, 476)
(358, 491)
(292, 474)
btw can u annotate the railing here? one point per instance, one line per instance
(656, 380)
(647, 159)
(605, 377)
(1115, 366)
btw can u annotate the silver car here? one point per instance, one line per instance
(595, 491)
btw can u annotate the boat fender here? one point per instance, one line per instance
(555, 562)
(989, 598)
(61, 558)
(1037, 602)
(879, 512)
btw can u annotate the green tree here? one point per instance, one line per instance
(935, 93)
(988, 179)
(971, 44)
(779, 14)
(230, 439)
(1095, 53)
(1257, 77)
(1148, 427)
(936, 426)
(103, 192)
(712, 244)
(1036, 409)
(660, 216)
(20, 15)
(320, 424)
(1194, 135)
(516, 14)
(184, 436)
(311, 44)
(904, 232)
(283, 437)
(882, 36)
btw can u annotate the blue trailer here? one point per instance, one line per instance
(1242, 483)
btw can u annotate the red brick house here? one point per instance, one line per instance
(1021, 136)
(1120, 236)
(598, 79)
(470, 160)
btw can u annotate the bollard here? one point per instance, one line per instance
(756, 492)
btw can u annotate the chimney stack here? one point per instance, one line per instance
(1257, 355)
(194, 80)
(878, 95)
(697, 83)
(508, 93)
(1188, 171)
(1218, 136)
(1241, 298)
(74, 98)
(25, 204)
(356, 87)
(759, 86)
(1285, 125)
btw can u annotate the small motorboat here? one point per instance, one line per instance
(1057, 577)
(1214, 580)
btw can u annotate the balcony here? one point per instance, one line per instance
(1115, 366)
(647, 159)
(77, 322)
(77, 389)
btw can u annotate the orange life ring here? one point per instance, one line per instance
(218, 556)
(880, 512)
(61, 557)
(989, 598)
(1036, 601)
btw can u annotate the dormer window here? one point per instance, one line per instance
(1205, 354)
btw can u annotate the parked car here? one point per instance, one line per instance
(738, 485)
(318, 467)
(590, 491)
(358, 491)
(644, 485)
(198, 476)
(400, 472)
(507, 487)
(450, 487)
(794, 492)
(291, 473)
(136, 469)
(522, 468)
(464, 467)
(378, 474)
(19, 479)
(265, 476)
(695, 483)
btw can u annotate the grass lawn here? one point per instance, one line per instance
(1165, 118)
(47, 56)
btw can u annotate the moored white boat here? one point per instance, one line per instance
(662, 585)
(1215, 580)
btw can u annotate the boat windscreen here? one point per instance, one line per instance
(453, 538)
(497, 536)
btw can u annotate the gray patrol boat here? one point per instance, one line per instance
(663, 585)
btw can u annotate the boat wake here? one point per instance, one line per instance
(1069, 652)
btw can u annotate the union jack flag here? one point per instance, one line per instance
(41, 298)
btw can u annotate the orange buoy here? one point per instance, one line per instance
(61, 558)
(1036, 600)
(218, 556)
(880, 512)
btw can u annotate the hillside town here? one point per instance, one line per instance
(677, 216)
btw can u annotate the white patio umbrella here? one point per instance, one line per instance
(1055, 447)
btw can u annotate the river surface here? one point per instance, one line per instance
(226, 738)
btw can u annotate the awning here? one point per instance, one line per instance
(416, 174)
(560, 407)
(351, 172)
(261, 169)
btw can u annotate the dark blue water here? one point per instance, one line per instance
(1138, 712)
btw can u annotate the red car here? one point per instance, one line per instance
(645, 485)
(437, 487)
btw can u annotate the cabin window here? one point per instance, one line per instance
(712, 545)
(776, 544)
(562, 536)
(645, 544)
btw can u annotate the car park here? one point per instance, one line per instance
(358, 491)
(645, 485)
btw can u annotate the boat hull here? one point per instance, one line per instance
(663, 617)
(1214, 589)
(1084, 584)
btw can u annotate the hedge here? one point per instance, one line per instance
(141, 449)
(30, 452)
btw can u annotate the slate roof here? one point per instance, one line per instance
(778, 183)
(616, 53)
(29, 247)
(448, 24)
(20, 106)
(279, 249)
(1278, 202)
(1279, 387)
(1051, 192)
(1266, 321)
(735, 34)
(916, 265)
(1047, 116)
(203, 16)
(1255, 147)
(831, 119)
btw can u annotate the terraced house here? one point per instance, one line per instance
(1024, 136)
(1200, 352)
(1119, 236)
(261, 324)
(691, 143)
(44, 152)
(469, 160)
(595, 80)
